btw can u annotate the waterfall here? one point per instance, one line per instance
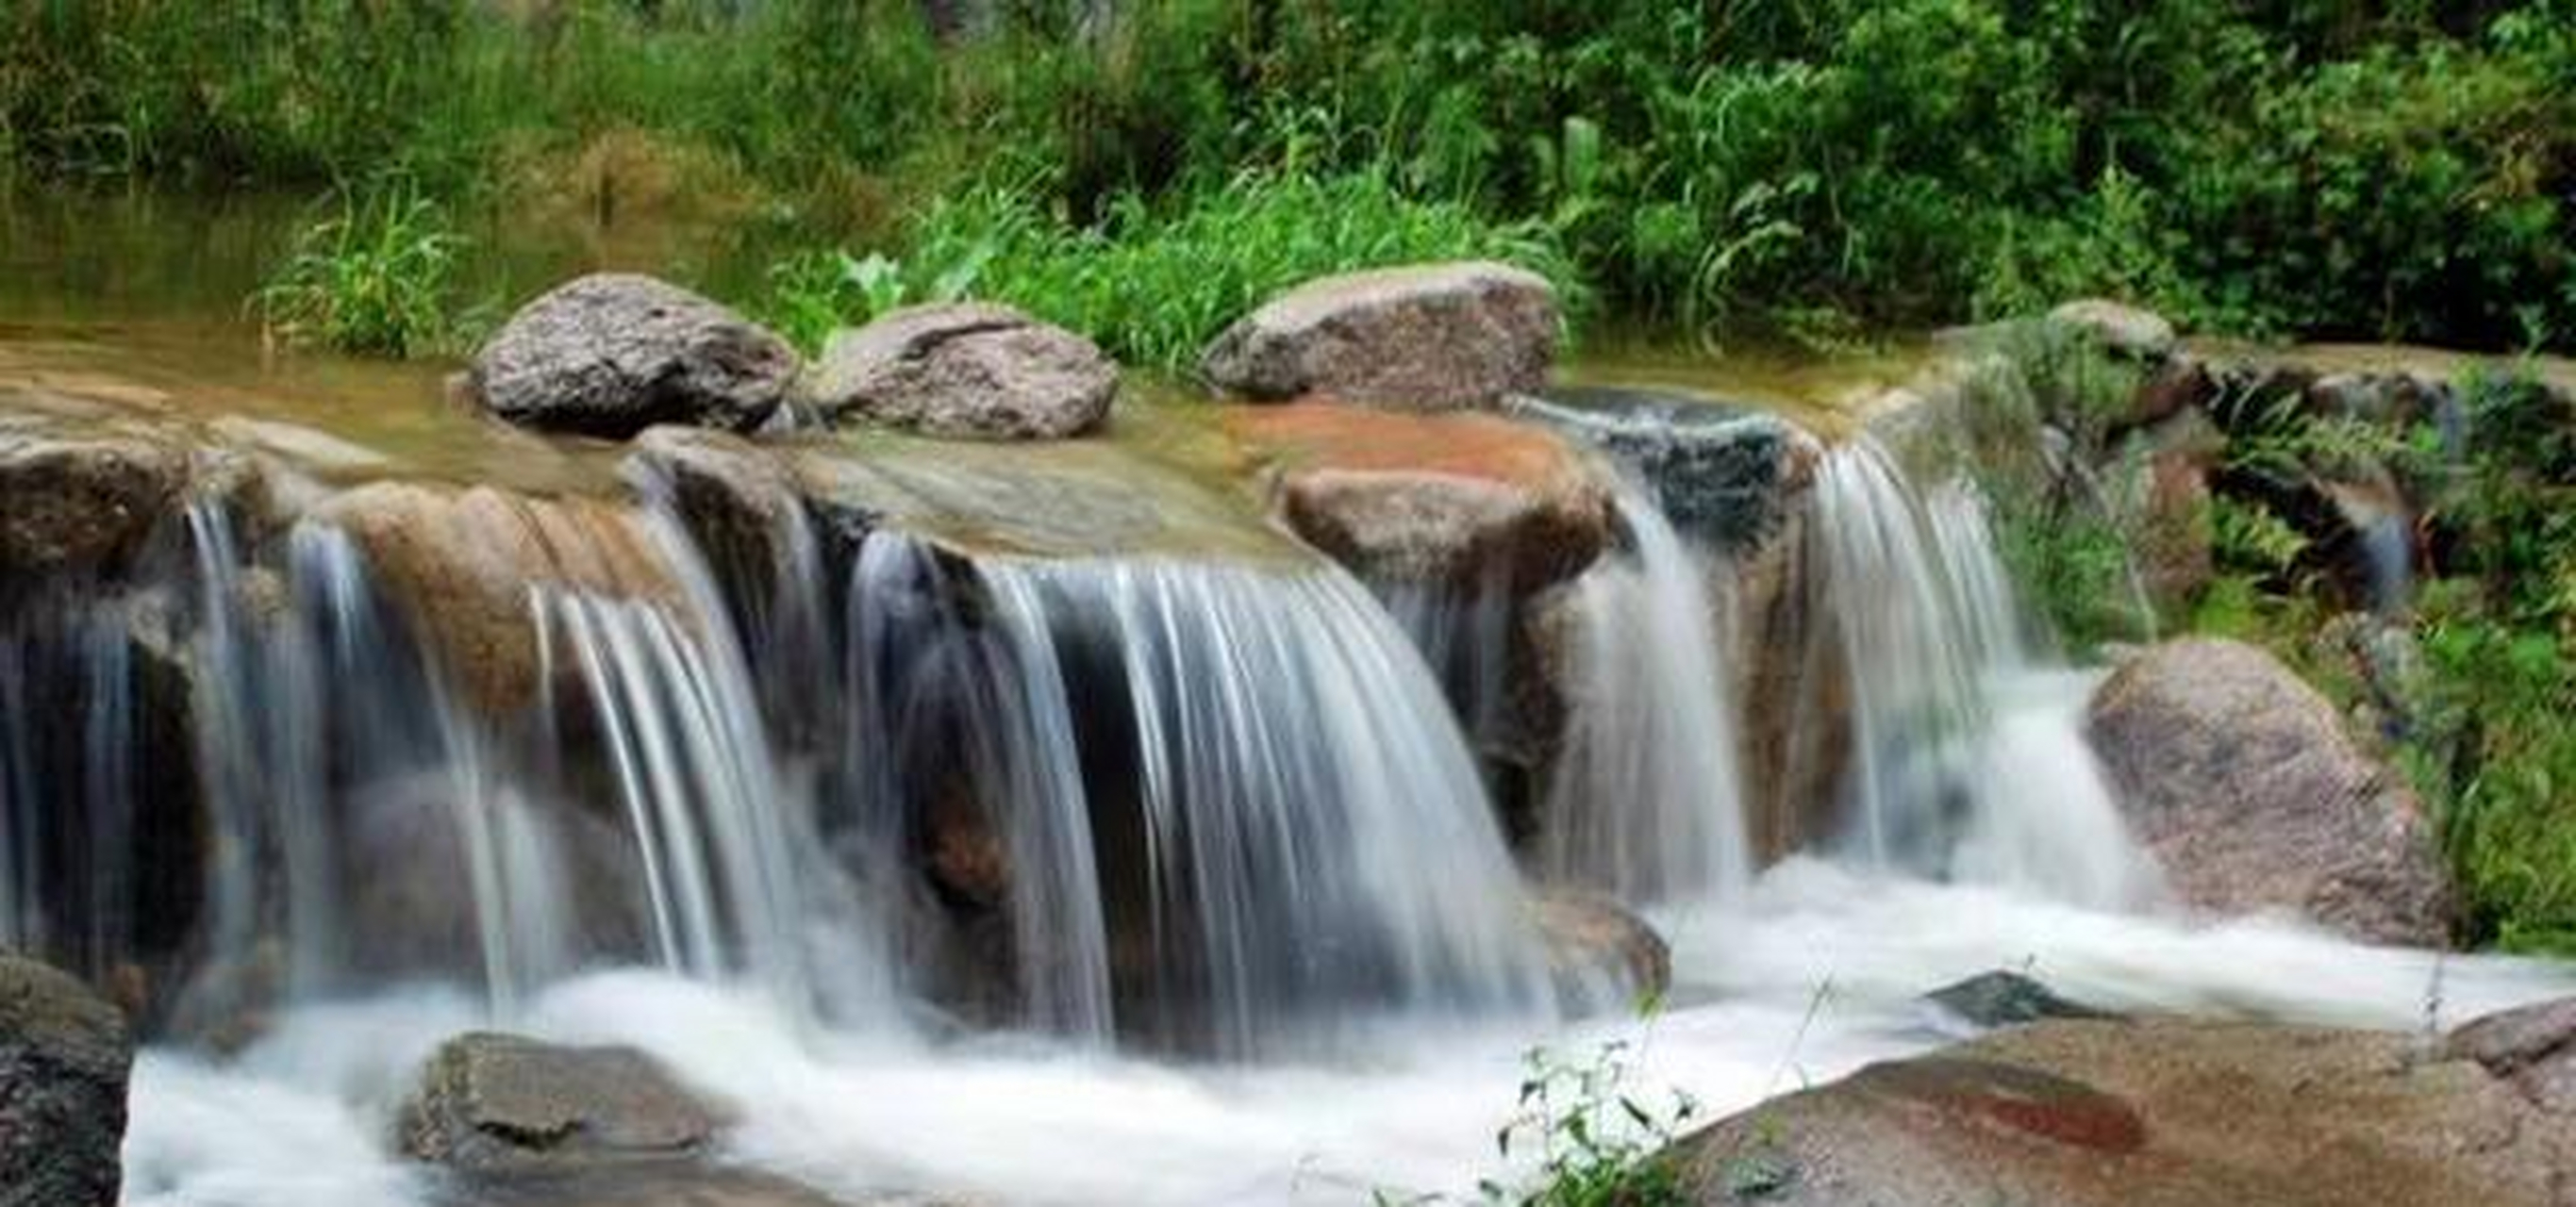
(1647, 799)
(1248, 771)
(1967, 756)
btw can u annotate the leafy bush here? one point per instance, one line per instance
(374, 276)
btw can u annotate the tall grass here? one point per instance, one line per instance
(1155, 284)
(376, 275)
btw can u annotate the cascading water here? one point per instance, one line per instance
(1208, 759)
(1966, 758)
(1647, 800)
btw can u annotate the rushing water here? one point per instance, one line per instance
(1647, 801)
(1135, 879)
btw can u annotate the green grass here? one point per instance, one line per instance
(2353, 170)
(1154, 285)
(376, 275)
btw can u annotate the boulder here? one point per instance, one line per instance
(611, 354)
(81, 501)
(658, 1183)
(64, 1058)
(494, 1102)
(1424, 337)
(2145, 1113)
(461, 566)
(966, 370)
(2005, 999)
(2121, 329)
(1432, 499)
(2244, 783)
(1601, 956)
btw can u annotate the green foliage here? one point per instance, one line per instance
(375, 276)
(2354, 170)
(1598, 1142)
(1155, 285)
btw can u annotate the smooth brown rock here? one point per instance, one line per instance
(1458, 499)
(2244, 783)
(82, 502)
(2146, 1113)
(1423, 337)
(1602, 956)
(462, 564)
(966, 370)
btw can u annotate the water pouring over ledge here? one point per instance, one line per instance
(1041, 1110)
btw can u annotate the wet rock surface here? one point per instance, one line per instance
(495, 1102)
(1424, 337)
(2006, 999)
(2151, 1112)
(1454, 499)
(966, 370)
(611, 354)
(1726, 475)
(64, 1059)
(2245, 785)
(80, 501)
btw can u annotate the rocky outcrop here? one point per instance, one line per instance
(1457, 499)
(2161, 495)
(2147, 1113)
(64, 1057)
(463, 564)
(1727, 475)
(2244, 783)
(1425, 337)
(966, 370)
(1601, 956)
(489, 1101)
(611, 354)
(81, 501)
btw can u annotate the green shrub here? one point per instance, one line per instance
(375, 276)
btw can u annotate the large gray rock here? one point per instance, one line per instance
(2533, 1047)
(2146, 1113)
(969, 370)
(64, 1057)
(494, 1102)
(1426, 337)
(2245, 784)
(611, 354)
(1723, 473)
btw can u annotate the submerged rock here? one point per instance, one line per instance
(1602, 956)
(64, 1058)
(1458, 499)
(657, 1183)
(2006, 999)
(1424, 337)
(489, 1101)
(611, 354)
(2147, 1113)
(967, 369)
(2243, 782)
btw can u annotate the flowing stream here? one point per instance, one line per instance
(965, 867)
